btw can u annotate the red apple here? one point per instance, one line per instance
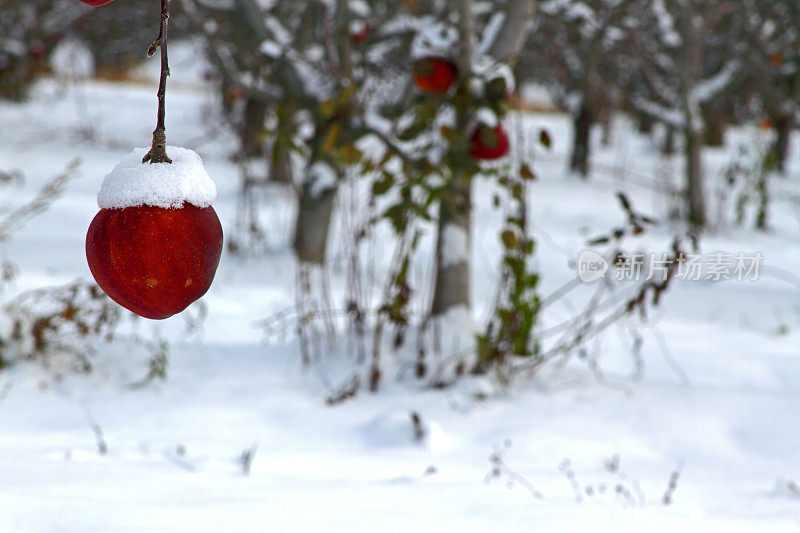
(489, 143)
(360, 35)
(434, 74)
(152, 260)
(96, 3)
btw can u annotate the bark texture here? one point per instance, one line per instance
(581, 142)
(693, 128)
(780, 150)
(314, 216)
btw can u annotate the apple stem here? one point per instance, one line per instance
(158, 151)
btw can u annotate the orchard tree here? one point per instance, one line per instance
(28, 31)
(577, 50)
(300, 73)
(447, 132)
(689, 53)
(772, 67)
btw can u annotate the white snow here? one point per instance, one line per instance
(270, 48)
(458, 320)
(487, 117)
(489, 69)
(400, 428)
(706, 90)
(72, 59)
(133, 183)
(321, 177)
(432, 38)
(538, 97)
(455, 245)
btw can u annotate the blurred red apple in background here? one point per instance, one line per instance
(96, 3)
(360, 33)
(489, 143)
(434, 74)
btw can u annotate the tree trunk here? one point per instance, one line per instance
(581, 142)
(714, 126)
(762, 190)
(318, 193)
(780, 149)
(314, 215)
(668, 147)
(14, 78)
(452, 249)
(645, 124)
(281, 170)
(452, 285)
(255, 113)
(693, 121)
(694, 177)
(606, 118)
(512, 36)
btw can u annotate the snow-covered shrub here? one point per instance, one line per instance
(62, 327)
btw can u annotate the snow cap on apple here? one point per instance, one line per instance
(133, 183)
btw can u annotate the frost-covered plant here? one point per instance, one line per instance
(438, 136)
(61, 327)
(743, 191)
(511, 330)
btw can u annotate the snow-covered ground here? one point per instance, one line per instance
(717, 403)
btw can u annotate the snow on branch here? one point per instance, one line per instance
(709, 88)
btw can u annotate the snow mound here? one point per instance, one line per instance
(397, 428)
(133, 183)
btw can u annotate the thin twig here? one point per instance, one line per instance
(102, 447)
(158, 151)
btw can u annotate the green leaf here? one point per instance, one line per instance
(509, 239)
(382, 186)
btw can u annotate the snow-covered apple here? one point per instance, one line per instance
(489, 143)
(155, 245)
(434, 74)
(359, 32)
